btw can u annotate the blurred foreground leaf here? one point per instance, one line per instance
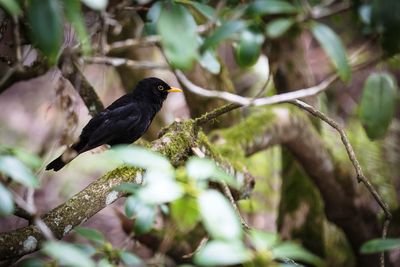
(223, 32)
(90, 234)
(279, 27)
(179, 38)
(185, 213)
(46, 25)
(11, 6)
(15, 169)
(205, 168)
(96, 4)
(248, 50)
(270, 7)
(67, 254)
(73, 13)
(219, 218)
(222, 253)
(141, 157)
(143, 214)
(130, 259)
(6, 201)
(380, 245)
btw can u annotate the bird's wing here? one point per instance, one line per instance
(114, 124)
(97, 120)
(122, 101)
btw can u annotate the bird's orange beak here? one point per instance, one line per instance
(174, 90)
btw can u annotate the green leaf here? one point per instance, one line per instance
(90, 234)
(130, 259)
(179, 38)
(222, 253)
(68, 254)
(205, 10)
(279, 27)
(96, 4)
(248, 50)
(45, 21)
(380, 245)
(142, 157)
(11, 6)
(32, 262)
(295, 252)
(333, 47)
(200, 168)
(104, 263)
(185, 213)
(378, 104)
(86, 248)
(262, 240)
(209, 61)
(143, 214)
(204, 168)
(219, 218)
(226, 30)
(27, 158)
(154, 12)
(6, 201)
(159, 188)
(270, 7)
(14, 168)
(73, 13)
(128, 188)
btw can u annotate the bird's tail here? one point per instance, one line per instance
(56, 164)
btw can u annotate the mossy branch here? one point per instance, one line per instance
(176, 144)
(293, 129)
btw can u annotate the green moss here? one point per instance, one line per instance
(254, 124)
(301, 202)
(176, 141)
(127, 173)
(370, 154)
(239, 136)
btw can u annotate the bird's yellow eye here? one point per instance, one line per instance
(160, 87)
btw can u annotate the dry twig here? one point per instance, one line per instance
(245, 101)
(350, 152)
(116, 62)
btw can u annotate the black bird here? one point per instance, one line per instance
(124, 121)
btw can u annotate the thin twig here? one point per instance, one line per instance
(317, 13)
(245, 101)
(227, 193)
(17, 43)
(31, 210)
(216, 113)
(147, 40)
(84, 88)
(116, 62)
(7, 75)
(350, 152)
(144, 41)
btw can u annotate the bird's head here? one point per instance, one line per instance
(153, 89)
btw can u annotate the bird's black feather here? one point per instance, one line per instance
(124, 121)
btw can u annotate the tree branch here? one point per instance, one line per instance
(175, 144)
(245, 101)
(350, 152)
(116, 62)
(85, 89)
(282, 125)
